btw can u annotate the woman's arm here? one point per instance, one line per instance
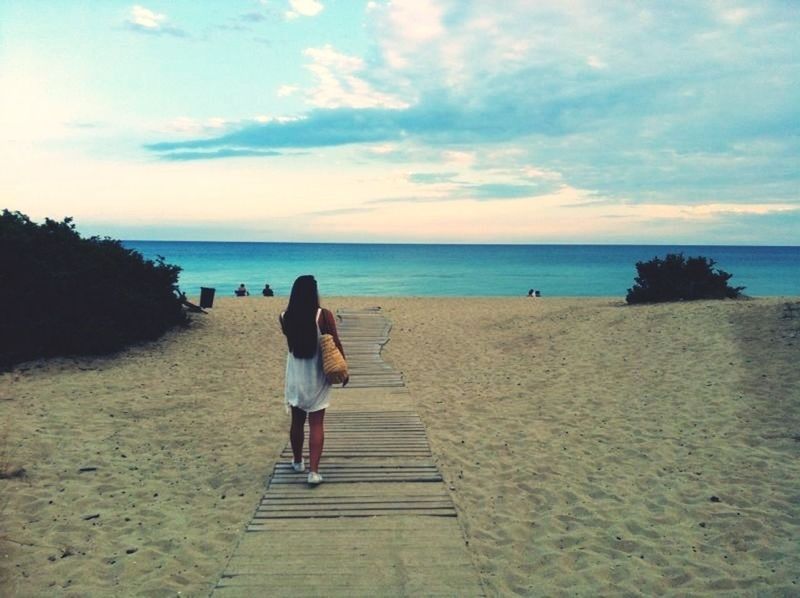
(280, 319)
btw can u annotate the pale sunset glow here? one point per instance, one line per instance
(405, 121)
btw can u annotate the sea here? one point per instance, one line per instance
(344, 269)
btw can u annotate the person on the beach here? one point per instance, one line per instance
(267, 292)
(307, 390)
(530, 292)
(241, 291)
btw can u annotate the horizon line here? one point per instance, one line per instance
(459, 243)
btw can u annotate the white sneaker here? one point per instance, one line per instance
(314, 478)
(299, 467)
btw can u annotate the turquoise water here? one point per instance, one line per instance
(456, 270)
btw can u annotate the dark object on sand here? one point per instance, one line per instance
(12, 472)
(207, 297)
(676, 278)
(267, 292)
(191, 306)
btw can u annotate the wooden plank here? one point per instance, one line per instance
(378, 479)
(387, 531)
(365, 489)
(347, 466)
(327, 513)
(311, 506)
(363, 469)
(414, 558)
(360, 477)
(366, 452)
(309, 498)
(366, 506)
(405, 437)
(364, 475)
(382, 416)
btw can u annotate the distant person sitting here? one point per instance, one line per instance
(537, 294)
(530, 292)
(267, 292)
(241, 291)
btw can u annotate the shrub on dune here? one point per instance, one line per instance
(62, 294)
(676, 278)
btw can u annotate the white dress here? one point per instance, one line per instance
(306, 385)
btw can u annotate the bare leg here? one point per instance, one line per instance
(296, 433)
(316, 437)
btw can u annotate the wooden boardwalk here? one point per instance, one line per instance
(382, 523)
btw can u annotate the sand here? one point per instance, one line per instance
(591, 448)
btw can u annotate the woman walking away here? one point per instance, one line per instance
(307, 389)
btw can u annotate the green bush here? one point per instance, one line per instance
(65, 295)
(676, 278)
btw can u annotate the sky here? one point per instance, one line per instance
(452, 121)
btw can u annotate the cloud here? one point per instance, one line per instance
(185, 125)
(187, 156)
(445, 186)
(596, 63)
(735, 16)
(649, 105)
(499, 191)
(287, 90)
(85, 124)
(144, 20)
(147, 19)
(417, 20)
(253, 17)
(304, 8)
(428, 178)
(711, 210)
(460, 158)
(339, 84)
(340, 211)
(320, 129)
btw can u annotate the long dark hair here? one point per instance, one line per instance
(300, 319)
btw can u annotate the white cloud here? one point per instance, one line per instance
(416, 20)
(216, 122)
(338, 83)
(263, 119)
(382, 149)
(328, 57)
(736, 16)
(305, 8)
(286, 90)
(145, 18)
(458, 158)
(532, 172)
(186, 125)
(406, 29)
(720, 209)
(595, 62)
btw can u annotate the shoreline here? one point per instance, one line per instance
(582, 445)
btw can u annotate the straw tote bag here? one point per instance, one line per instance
(333, 364)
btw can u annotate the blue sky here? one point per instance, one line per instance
(418, 121)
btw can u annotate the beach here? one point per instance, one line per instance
(590, 447)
